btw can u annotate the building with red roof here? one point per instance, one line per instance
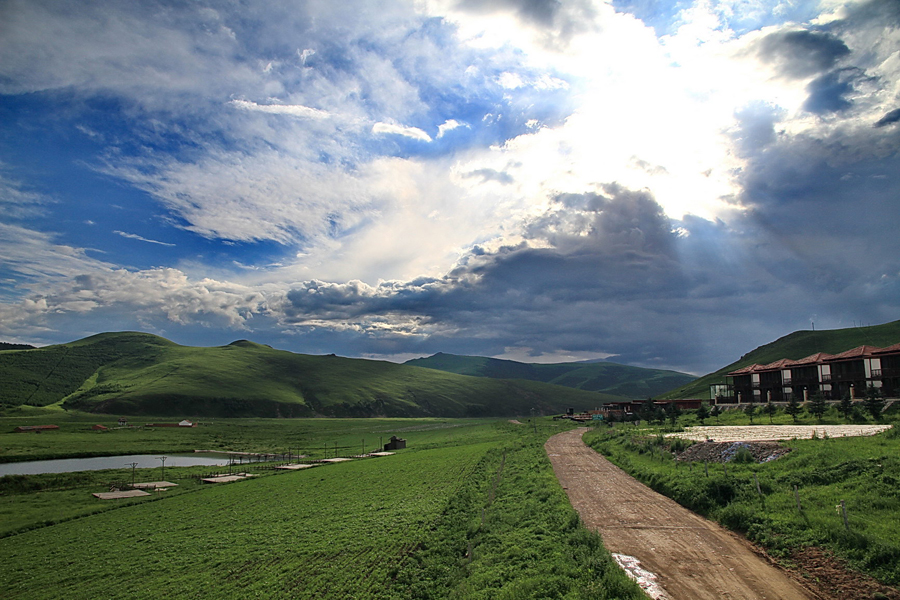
(833, 375)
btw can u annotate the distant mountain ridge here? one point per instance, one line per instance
(8, 346)
(133, 373)
(794, 346)
(595, 376)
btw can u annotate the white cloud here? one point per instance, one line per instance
(134, 236)
(410, 132)
(294, 110)
(449, 125)
(37, 258)
(17, 201)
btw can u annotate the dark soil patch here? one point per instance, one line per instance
(722, 452)
(833, 579)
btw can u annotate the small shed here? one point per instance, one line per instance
(395, 443)
(123, 421)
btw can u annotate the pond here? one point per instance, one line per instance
(144, 461)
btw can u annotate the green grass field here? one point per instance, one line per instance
(470, 509)
(863, 472)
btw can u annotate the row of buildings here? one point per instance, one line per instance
(627, 409)
(834, 376)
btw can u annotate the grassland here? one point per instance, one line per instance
(799, 344)
(141, 374)
(605, 377)
(470, 510)
(861, 472)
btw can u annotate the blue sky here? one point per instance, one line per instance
(665, 184)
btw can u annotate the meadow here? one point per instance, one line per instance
(760, 500)
(471, 509)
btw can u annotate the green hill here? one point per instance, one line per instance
(605, 377)
(141, 374)
(799, 344)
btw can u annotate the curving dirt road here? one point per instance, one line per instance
(693, 559)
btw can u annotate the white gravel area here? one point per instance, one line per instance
(762, 433)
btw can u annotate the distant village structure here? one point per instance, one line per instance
(34, 428)
(395, 443)
(834, 376)
(612, 411)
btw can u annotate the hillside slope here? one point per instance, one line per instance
(799, 344)
(605, 377)
(137, 373)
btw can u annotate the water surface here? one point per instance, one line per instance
(144, 461)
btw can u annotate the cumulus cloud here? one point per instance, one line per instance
(392, 129)
(149, 296)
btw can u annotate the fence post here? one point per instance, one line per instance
(844, 514)
(756, 479)
(706, 468)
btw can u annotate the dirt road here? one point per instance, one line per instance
(693, 559)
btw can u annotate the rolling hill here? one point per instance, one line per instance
(134, 373)
(799, 344)
(605, 377)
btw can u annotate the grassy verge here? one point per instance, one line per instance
(511, 533)
(761, 500)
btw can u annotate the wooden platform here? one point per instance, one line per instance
(118, 495)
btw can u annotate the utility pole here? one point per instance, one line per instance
(163, 459)
(133, 465)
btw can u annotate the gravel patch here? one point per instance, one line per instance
(760, 433)
(723, 452)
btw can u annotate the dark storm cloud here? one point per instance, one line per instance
(800, 54)
(627, 224)
(890, 117)
(826, 208)
(595, 264)
(607, 272)
(828, 93)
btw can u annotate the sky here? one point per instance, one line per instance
(668, 184)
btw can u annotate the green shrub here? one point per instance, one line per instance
(743, 456)
(738, 516)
